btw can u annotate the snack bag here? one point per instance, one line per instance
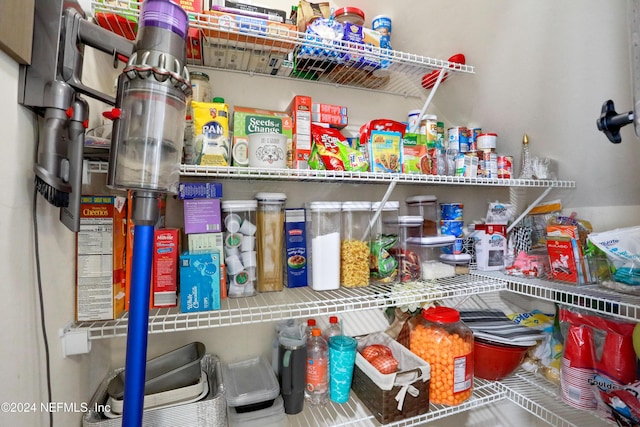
(330, 150)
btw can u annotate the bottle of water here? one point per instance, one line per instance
(333, 329)
(317, 390)
(311, 323)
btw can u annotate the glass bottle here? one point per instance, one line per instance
(526, 169)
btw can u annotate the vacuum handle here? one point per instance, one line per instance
(610, 121)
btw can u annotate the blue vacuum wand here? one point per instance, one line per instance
(146, 150)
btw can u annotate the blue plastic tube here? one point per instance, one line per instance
(136, 362)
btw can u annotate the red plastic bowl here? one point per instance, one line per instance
(493, 361)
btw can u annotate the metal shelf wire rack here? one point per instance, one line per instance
(245, 45)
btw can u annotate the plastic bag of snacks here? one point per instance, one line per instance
(331, 151)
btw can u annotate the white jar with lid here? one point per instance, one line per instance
(323, 233)
(201, 89)
(383, 266)
(354, 244)
(240, 225)
(425, 206)
(270, 241)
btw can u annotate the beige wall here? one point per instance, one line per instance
(543, 67)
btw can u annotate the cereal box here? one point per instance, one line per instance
(100, 256)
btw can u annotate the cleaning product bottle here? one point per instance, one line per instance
(333, 329)
(317, 391)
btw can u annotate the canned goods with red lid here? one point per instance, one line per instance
(505, 167)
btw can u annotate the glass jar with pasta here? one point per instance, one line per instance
(270, 241)
(355, 244)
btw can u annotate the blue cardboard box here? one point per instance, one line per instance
(295, 248)
(199, 281)
(199, 190)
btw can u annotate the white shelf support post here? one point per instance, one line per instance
(74, 341)
(524, 213)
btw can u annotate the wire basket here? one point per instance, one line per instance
(379, 392)
(208, 412)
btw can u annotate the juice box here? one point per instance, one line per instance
(248, 120)
(295, 248)
(414, 154)
(100, 256)
(199, 281)
(300, 111)
(166, 250)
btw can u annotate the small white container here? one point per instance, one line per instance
(487, 141)
(267, 150)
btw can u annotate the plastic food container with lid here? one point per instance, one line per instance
(201, 89)
(354, 244)
(352, 15)
(323, 234)
(250, 385)
(408, 259)
(439, 337)
(240, 229)
(383, 267)
(427, 207)
(270, 242)
(429, 250)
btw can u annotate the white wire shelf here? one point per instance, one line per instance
(274, 49)
(591, 297)
(295, 303)
(233, 172)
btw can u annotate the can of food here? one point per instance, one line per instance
(440, 130)
(429, 127)
(458, 139)
(489, 161)
(473, 135)
(487, 141)
(382, 24)
(505, 166)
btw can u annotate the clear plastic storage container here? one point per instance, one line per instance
(250, 385)
(427, 207)
(439, 337)
(270, 241)
(408, 259)
(354, 245)
(323, 234)
(383, 266)
(240, 225)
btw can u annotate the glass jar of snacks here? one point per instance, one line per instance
(270, 241)
(239, 219)
(323, 234)
(440, 338)
(354, 244)
(383, 266)
(427, 207)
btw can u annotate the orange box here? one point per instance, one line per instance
(247, 29)
(100, 258)
(300, 111)
(166, 252)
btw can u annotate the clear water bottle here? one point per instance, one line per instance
(332, 329)
(311, 323)
(317, 391)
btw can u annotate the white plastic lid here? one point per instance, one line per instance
(356, 206)
(325, 206)
(429, 117)
(239, 205)
(271, 197)
(249, 381)
(420, 199)
(410, 221)
(433, 241)
(413, 113)
(388, 206)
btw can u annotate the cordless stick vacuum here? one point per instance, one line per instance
(147, 136)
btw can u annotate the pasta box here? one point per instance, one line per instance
(295, 247)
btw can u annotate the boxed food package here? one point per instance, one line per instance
(334, 120)
(247, 120)
(414, 154)
(382, 393)
(329, 109)
(199, 281)
(300, 111)
(199, 190)
(202, 216)
(100, 257)
(491, 246)
(166, 250)
(384, 151)
(295, 248)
